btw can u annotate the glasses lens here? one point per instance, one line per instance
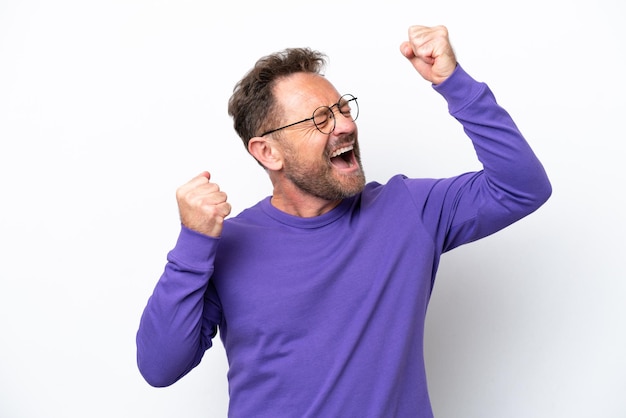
(348, 106)
(324, 119)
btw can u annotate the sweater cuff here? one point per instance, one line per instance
(194, 248)
(459, 90)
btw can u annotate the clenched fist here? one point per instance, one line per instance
(202, 205)
(430, 52)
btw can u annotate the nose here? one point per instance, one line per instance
(343, 124)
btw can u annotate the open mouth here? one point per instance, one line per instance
(343, 158)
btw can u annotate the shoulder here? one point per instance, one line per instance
(398, 185)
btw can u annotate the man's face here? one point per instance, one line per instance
(327, 166)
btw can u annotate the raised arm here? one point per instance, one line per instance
(513, 182)
(182, 315)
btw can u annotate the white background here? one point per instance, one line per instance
(107, 106)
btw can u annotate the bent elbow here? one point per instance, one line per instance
(162, 366)
(543, 192)
(532, 190)
(154, 375)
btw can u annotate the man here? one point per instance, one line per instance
(320, 291)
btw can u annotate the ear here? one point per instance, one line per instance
(267, 152)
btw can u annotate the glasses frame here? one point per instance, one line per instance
(349, 98)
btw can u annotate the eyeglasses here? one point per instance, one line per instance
(323, 115)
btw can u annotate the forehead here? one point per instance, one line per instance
(305, 92)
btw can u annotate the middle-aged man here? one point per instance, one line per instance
(319, 291)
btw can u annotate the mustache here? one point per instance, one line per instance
(342, 141)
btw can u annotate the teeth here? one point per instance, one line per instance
(341, 151)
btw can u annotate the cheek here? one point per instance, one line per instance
(311, 152)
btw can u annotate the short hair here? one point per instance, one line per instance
(252, 105)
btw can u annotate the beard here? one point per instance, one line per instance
(321, 179)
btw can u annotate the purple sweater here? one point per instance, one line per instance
(324, 316)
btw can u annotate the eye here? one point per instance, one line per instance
(344, 108)
(348, 106)
(321, 116)
(345, 104)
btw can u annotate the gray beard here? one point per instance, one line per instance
(323, 184)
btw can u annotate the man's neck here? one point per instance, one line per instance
(297, 203)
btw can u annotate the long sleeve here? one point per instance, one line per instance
(312, 306)
(513, 182)
(180, 318)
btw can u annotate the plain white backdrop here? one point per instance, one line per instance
(107, 106)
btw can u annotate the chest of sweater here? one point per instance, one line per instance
(277, 282)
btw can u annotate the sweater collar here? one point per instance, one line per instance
(306, 223)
